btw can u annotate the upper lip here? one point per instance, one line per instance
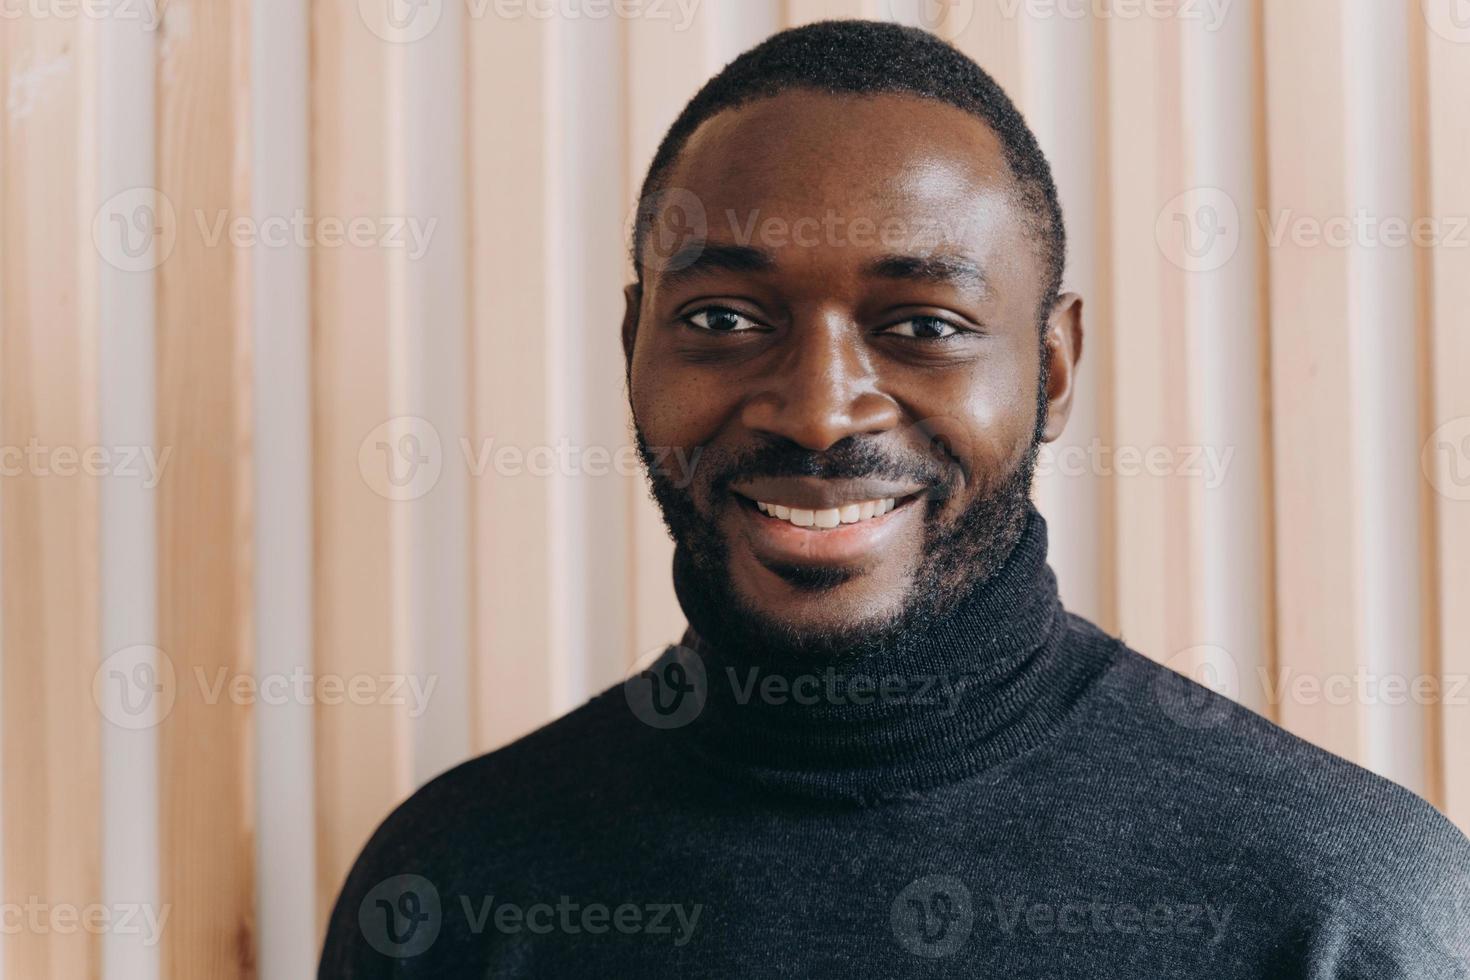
(816, 493)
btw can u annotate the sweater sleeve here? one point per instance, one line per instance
(1405, 920)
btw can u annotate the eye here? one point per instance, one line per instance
(924, 328)
(719, 319)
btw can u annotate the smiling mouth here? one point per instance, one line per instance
(828, 518)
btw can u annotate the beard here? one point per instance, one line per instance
(959, 555)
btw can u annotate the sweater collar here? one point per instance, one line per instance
(958, 695)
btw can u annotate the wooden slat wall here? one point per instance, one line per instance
(1446, 54)
(1146, 172)
(363, 751)
(520, 652)
(203, 503)
(520, 595)
(49, 521)
(1316, 550)
(1226, 372)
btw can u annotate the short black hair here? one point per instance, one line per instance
(864, 57)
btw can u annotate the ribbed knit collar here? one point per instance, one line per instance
(963, 693)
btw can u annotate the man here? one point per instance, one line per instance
(883, 748)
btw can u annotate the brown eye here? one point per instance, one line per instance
(924, 328)
(718, 319)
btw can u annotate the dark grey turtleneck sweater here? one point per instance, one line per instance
(1011, 794)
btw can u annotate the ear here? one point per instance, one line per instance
(633, 303)
(1063, 352)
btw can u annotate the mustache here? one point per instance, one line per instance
(852, 458)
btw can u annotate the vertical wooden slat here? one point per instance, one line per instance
(1147, 172)
(362, 750)
(1224, 327)
(203, 554)
(49, 519)
(1383, 336)
(430, 383)
(520, 652)
(1062, 101)
(284, 776)
(800, 12)
(1314, 444)
(991, 36)
(128, 539)
(1446, 451)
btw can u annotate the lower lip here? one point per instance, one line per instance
(772, 539)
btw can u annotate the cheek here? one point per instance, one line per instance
(985, 419)
(676, 407)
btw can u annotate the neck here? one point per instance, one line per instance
(949, 698)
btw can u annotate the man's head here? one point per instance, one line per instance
(848, 246)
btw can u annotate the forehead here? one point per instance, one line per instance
(898, 173)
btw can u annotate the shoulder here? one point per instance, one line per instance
(497, 817)
(1344, 844)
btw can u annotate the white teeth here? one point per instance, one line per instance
(830, 517)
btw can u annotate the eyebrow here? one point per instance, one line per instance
(700, 258)
(953, 270)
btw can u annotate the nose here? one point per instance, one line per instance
(823, 389)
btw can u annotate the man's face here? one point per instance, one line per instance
(839, 314)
